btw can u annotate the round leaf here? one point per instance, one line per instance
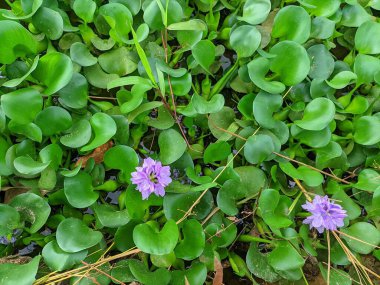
(292, 23)
(53, 120)
(33, 209)
(55, 71)
(292, 62)
(150, 239)
(245, 40)
(258, 148)
(367, 130)
(172, 146)
(73, 236)
(104, 128)
(79, 191)
(58, 260)
(29, 98)
(313, 119)
(365, 237)
(367, 38)
(193, 242)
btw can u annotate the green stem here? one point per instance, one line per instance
(157, 215)
(223, 81)
(248, 238)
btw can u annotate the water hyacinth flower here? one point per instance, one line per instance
(325, 214)
(152, 177)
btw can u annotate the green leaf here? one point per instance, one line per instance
(163, 121)
(245, 40)
(150, 239)
(84, 9)
(322, 28)
(220, 121)
(366, 67)
(193, 242)
(58, 259)
(269, 205)
(204, 54)
(367, 38)
(315, 139)
(285, 257)
(367, 130)
(231, 191)
(264, 105)
(55, 71)
(26, 165)
(154, 17)
(292, 23)
(172, 146)
(196, 275)
(29, 98)
(353, 210)
(9, 220)
(124, 235)
(322, 62)
(122, 272)
(145, 276)
(255, 11)
(73, 236)
(216, 152)
(258, 148)
(365, 237)
(129, 80)
(291, 63)
(257, 69)
(119, 19)
(190, 25)
(16, 274)
(258, 264)
(16, 81)
(79, 135)
(53, 120)
(354, 15)
(33, 209)
(110, 217)
(34, 7)
(123, 158)
(104, 128)
(367, 180)
(79, 191)
(49, 22)
(75, 93)
(342, 79)
(176, 203)
(97, 77)
(312, 119)
(120, 61)
(30, 130)
(337, 276)
(317, 8)
(16, 42)
(80, 54)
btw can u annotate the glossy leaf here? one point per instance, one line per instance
(73, 236)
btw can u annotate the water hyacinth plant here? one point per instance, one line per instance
(173, 142)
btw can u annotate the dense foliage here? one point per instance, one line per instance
(257, 107)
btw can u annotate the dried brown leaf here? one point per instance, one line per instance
(97, 154)
(218, 268)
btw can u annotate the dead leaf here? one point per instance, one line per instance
(15, 259)
(97, 154)
(218, 268)
(186, 281)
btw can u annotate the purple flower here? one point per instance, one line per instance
(325, 214)
(152, 177)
